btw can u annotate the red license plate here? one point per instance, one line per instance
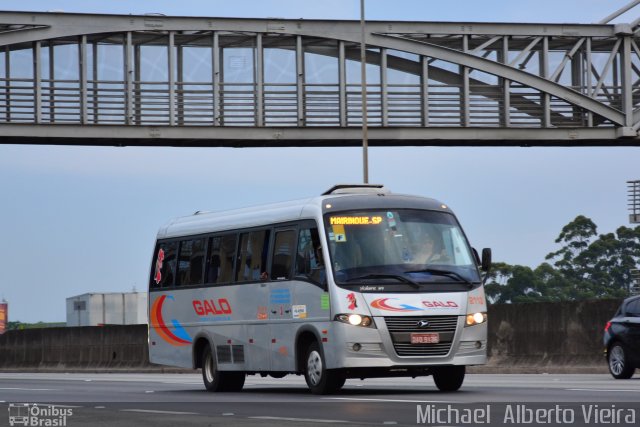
(433, 338)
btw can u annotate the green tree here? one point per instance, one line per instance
(586, 266)
(575, 238)
(607, 263)
(553, 285)
(497, 279)
(512, 283)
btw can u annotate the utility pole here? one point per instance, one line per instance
(363, 79)
(634, 218)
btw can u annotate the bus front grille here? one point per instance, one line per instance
(401, 328)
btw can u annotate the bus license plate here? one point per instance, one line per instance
(433, 338)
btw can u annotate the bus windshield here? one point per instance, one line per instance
(404, 246)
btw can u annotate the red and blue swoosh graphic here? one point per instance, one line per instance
(177, 337)
(381, 304)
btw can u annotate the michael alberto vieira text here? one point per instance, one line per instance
(516, 414)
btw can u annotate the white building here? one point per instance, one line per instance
(114, 308)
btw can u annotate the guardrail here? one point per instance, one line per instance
(543, 336)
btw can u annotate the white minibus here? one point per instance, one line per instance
(356, 283)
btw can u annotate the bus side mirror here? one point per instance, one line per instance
(486, 259)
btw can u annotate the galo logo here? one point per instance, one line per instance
(177, 337)
(381, 304)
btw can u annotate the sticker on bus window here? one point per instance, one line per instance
(391, 220)
(338, 232)
(159, 261)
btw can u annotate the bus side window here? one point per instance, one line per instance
(285, 243)
(222, 251)
(190, 262)
(164, 265)
(309, 255)
(253, 250)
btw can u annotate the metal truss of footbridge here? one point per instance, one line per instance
(189, 81)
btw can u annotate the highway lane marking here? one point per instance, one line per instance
(181, 382)
(60, 406)
(607, 390)
(303, 420)
(29, 389)
(389, 400)
(154, 411)
(56, 405)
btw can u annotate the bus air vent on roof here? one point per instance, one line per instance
(356, 189)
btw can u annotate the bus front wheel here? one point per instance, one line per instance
(320, 379)
(215, 380)
(449, 378)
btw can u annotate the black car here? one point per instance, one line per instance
(622, 339)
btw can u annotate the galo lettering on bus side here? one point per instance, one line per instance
(215, 307)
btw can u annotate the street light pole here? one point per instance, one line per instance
(363, 79)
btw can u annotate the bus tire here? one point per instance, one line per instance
(215, 380)
(321, 380)
(210, 374)
(233, 381)
(449, 378)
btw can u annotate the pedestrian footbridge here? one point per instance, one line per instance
(189, 81)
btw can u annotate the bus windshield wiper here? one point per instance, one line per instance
(386, 276)
(447, 273)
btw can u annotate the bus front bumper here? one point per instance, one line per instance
(357, 347)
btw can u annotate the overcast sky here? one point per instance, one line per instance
(83, 219)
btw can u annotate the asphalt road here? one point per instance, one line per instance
(180, 399)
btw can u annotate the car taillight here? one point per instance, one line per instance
(607, 326)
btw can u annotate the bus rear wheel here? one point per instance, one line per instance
(215, 380)
(449, 378)
(321, 380)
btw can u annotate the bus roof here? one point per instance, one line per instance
(341, 198)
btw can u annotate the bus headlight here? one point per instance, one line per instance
(476, 319)
(355, 320)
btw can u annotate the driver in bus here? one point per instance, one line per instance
(318, 272)
(434, 252)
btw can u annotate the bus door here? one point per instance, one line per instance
(251, 297)
(280, 297)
